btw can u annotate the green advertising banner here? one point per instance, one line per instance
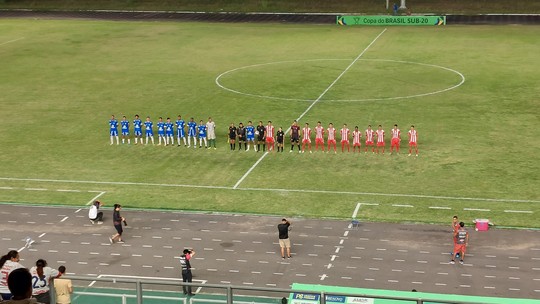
(391, 20)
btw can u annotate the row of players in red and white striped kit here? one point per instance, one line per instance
(370, 137)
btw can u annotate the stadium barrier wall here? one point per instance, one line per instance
(231, 291)
(318, 18)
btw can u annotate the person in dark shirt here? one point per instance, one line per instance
(117, 222)
(261, 137)
(284, 242)
(241, 133)
(187, 276)
(279, 138)
(232, 136)
(295, 136)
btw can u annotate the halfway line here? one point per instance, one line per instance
(311, 105)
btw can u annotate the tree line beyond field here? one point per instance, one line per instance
(470, 7)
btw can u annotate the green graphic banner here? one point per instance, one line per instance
(391, 20)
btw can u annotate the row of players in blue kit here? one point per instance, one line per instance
(205, 132)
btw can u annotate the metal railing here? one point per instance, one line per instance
(231, 291)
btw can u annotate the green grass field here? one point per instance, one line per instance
(61, 81)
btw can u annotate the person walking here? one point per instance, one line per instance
(284, 242)
(117, 222)
(187, 276)
(63, 288)
(95, 215)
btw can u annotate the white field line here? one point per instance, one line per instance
(95, 197)
(311, 105)
(355, 212)
(457, 198)
(3, 43)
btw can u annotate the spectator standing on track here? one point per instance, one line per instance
(8, 263)
(462, 240)
(94, 214)
(455, 228)
(63, 288)
(187, 276)
(117, 222)
(20, 285)
(41, 278)
(284, 242)
(211, 130)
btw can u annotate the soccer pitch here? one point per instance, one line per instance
(471, 91)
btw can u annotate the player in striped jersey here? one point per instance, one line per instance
(161, 131)
(113, 130)
(270, 136)
(369, 139)
(137, 129)
(413, 137)
(331, 137)
(148, 132)
(180, 131)
(319, 136)
(169, 132)
(125, 130)
(380, 139)
(356, 134)
(396, 139)
(345, 138)
(306, 138)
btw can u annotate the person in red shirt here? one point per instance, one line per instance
(396, 139)
(331, 137)
(319, 136)
(270, 136)
(356, 134)
(380, 139)
(345, 138)
(306, 138)
(369, 139)
(413, 137)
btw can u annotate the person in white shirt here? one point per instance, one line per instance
(41, 278)
(94, 214)
(8, 263)
(20, 285)
(211, 133)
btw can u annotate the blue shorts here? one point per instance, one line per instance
(149, 133)
(181, 133)
(191, 133)
(169, 133)
(137, 132)
(114, 132)
(125, 133)
(250, 138)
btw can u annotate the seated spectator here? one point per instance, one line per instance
(20, 286)
(63, 288)
(8, 263)
(95, 215)
(42, 275)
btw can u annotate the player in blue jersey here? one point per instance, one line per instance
(181, 132)
(113, 130)
(192, 133)
(125, 130)
(201, 129)
(148, 130)
(137, 129)
(250, 136)
(160, 131)
(169, 131)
